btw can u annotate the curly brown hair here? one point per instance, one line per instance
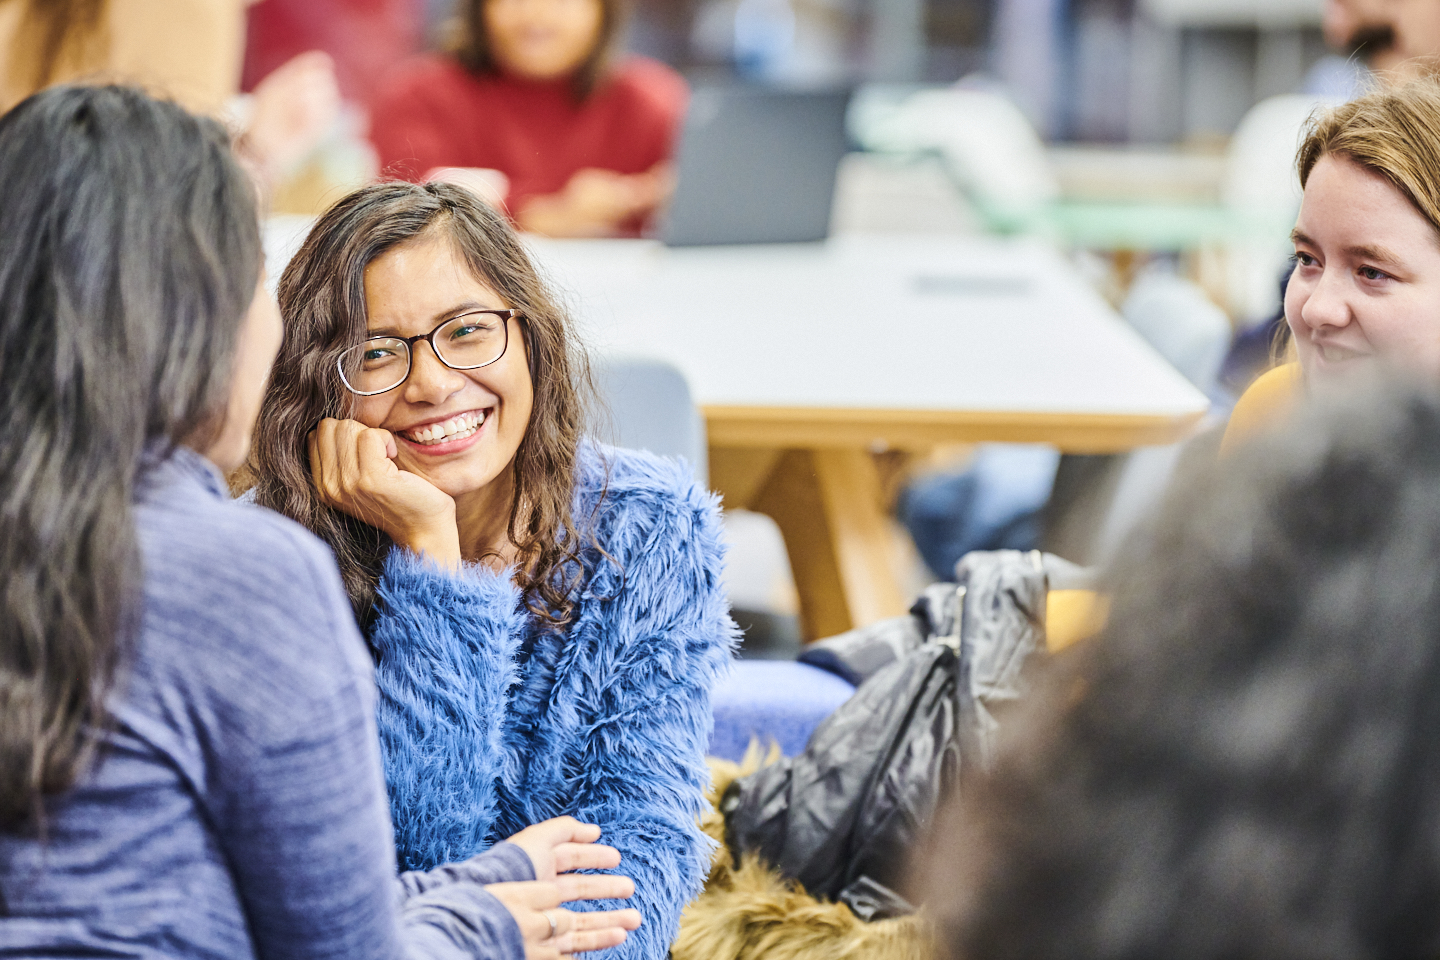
(469, 43)
(322, 298)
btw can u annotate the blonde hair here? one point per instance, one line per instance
(1393, 131)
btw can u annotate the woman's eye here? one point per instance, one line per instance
(1304, 259)
(1370, 273)
(380, 355)
(472, 330)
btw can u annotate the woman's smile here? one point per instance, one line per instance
(446, 435)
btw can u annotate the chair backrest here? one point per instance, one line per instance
(1260, 162)
(1192, 334)
(1263, 403)
(989, 147)
(1181, 323)
(646, 405)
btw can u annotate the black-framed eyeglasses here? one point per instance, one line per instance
(471, 340)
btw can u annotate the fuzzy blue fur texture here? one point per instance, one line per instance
(607, 721)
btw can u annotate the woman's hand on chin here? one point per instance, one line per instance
(354, 471)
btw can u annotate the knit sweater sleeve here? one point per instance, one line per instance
(446, 647)
(665, 641)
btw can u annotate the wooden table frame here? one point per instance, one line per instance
(812, 472)
(806, 359)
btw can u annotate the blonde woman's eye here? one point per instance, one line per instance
(1370, 273)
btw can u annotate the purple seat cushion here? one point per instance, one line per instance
(778, 700)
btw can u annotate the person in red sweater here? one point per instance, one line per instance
(532, 103)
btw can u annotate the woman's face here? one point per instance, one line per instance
(1366, 284)
(260, 335)
(410, 290)
(542, 39)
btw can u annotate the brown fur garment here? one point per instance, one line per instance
(750, 912)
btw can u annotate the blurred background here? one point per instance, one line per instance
(1151, 142)
(1131, 134)
(1086, 71)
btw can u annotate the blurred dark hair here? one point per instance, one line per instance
(1246, 763)
(129, 254)
(469, 42)
(322, 298)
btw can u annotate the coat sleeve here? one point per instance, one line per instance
(446, 647)
(448, 910)
(665, 640)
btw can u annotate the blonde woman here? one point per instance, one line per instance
(1366, 284)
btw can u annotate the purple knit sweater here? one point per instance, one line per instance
(239, 810)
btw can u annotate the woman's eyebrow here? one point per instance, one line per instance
(1371, 251)
(1359, 251)
(467, 306)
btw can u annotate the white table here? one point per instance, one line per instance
(805, 358)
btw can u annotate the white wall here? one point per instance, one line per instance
(1234, 13)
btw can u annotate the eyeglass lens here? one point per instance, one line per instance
(382, 363)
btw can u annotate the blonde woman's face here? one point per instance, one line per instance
(542, 39)
(1366, 284)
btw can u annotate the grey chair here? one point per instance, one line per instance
(645, 404)
(1193, 334)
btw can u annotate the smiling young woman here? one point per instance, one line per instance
(1366, 283)
(546, 614)
(532, 90)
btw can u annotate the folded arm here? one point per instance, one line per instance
(446, 645)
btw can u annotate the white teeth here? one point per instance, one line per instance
(456, 428)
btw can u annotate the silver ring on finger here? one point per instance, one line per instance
(554, 927)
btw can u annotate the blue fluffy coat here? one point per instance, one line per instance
(489, 724)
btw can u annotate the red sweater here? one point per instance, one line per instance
(434, 113)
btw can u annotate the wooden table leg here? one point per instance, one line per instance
(827, 504)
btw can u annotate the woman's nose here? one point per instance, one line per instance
(430, 381)
(1327, 304)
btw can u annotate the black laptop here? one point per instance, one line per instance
(757, 165)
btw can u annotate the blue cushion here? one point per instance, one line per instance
(778, 700)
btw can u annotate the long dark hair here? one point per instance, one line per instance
(322, 298)
(1246, 763)
(129, 253)
(469, 42)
